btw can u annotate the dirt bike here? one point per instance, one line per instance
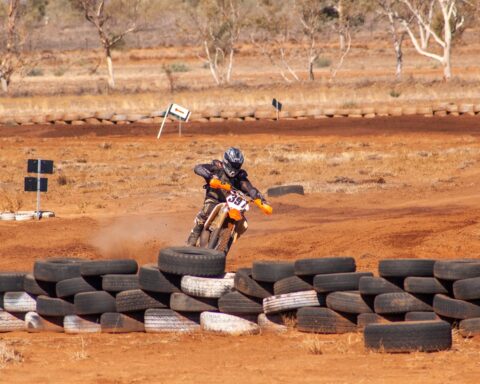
(227, 222)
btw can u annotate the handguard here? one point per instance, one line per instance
(217, 184)
(265, 208)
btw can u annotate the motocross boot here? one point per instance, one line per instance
(194, 235)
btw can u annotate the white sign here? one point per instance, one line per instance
(181, 113)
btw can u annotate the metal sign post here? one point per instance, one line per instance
(180, 113)
(38, 184)
(39, 168)
(278, 106)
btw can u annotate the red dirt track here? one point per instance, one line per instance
(376, 188)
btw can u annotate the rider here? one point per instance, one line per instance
(228, 171)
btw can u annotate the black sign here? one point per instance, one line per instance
(277, 105)
(31, 184)
(46, 166)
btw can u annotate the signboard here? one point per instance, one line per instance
(33, 184)
(180, 113)
(46, 166)
(277, 105)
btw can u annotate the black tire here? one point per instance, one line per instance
(324, 320)
(150, 278)
(424, 285)
(406, 267)
(467, 289)
(285, 190)
(325, 265)
(55, 270)
(245, 284)
(108, 267)
(113, 322)
(377, 286)
(348, 302)
(183, 303)
(469, 327)
(38, 287)
(421, 316)
(454, 308)
(339, 281)
(94, 303)
(293, 284)
(120, 283)
(192, 261)
(236, 303)
(138, 300)
(49, 306)
(457, 269)
(12, 281)
(426, 336)
(36, 323)
(364, 319)
(402, 302)
(71, 287)
(272, 271)
(1, 301)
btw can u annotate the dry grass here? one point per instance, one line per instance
(9, 355)
(81, 354)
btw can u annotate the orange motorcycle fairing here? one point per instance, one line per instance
(235, 214)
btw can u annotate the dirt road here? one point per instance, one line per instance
(380, 188)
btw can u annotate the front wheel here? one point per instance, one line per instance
(225, 238)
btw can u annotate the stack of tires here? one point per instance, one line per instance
(14, 302)
(193, 279)
(404, 318)
(460, 302)
(78, 296)
(325, 292)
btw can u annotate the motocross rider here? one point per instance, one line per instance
(228, 171)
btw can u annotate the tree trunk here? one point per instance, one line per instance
(4, 84)
(311, 75)
(447, 48)
(111, 78)
(399, 56)
(341, 20)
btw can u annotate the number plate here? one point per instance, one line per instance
(237, 202)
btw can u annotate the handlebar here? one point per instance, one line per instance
(218, 184)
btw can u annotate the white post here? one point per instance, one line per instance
(163, 122)
(38, 188)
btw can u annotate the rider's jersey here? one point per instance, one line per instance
(240, 181)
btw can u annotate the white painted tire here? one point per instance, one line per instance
(7, 216)
(289, 301)
(36, 323)
(45, 214)
(226, 324)
(167, 320)
(10, 323)
(24, 216)
(206, 286)
(83, 324)
(271, 323)
(19, 302)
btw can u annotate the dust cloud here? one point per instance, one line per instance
(138, 237)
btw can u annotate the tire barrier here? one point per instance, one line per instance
(411, 306)
(215, 115)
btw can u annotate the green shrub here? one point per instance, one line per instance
(322, 62)
(60, 71)
(394, 93)
(179, 67)
(35, 72)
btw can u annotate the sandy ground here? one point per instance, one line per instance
(381, 188)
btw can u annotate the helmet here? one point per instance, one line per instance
(232, 161)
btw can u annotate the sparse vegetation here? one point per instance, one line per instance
(9, 355)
